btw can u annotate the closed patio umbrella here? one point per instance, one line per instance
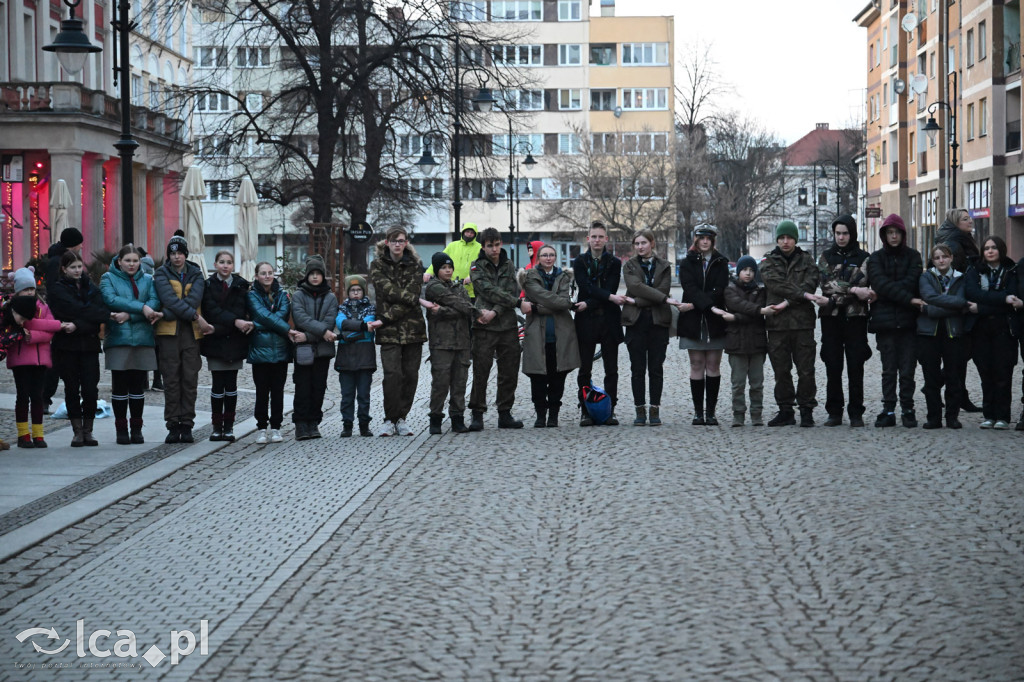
(60, 208)
(246, 229)
(193, 193)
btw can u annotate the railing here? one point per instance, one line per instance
(1013, 136)
(66, 97)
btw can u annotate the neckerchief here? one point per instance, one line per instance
(358, 309)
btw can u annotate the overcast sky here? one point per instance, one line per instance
(792, 64)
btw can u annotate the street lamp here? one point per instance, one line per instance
(72, 46)
(513, 187)
(814, 190)
(932, 128)
(484, 101)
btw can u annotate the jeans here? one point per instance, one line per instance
(355, 386)
(899, 362)
(610, 358)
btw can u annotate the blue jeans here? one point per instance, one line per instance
(355, 386)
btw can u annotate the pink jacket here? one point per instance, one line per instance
(37, 350)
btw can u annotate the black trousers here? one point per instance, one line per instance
(610, 358)
(844, 339)
(29, 382)
(995, 355)
(269, 378)
(647, 346)
(310, 385)
(899, 362)
(80, 373)
(942, 363)
(546, 390)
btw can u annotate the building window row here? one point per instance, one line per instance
(572, 54)
(514, 10)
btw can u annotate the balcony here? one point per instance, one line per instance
(31, 99)
(1013, 136)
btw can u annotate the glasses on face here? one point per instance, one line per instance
(400, 241)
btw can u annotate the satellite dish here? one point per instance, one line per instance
(900, 86)
(618, 112)
(919, 84)
(909, 22)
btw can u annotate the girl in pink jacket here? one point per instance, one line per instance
(28, 356)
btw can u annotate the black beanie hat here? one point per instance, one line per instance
(178, 244)
(70, 237)
(439, 260)
(24, 306)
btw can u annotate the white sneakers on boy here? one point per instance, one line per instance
(262, 438)
(275, 436)
(386, 429)
(402, 429)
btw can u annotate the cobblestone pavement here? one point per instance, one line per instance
(676, 553)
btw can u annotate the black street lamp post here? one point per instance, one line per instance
(72, 46)
(814, 190)
(932, 128)
(512, 192)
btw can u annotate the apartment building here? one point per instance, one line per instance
(54, 126)
(959, 63)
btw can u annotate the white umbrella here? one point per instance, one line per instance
(193, 193)
(246, 229)
(60, 206)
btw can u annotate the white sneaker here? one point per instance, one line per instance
(262, 438)
(386, 429)
(1001, 425)
(402, 429)
(275, 436)
(988, 424)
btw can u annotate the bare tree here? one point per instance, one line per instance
(624, 179)
(352, 92)
(745, 184)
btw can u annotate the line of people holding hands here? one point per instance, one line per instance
(965, 304)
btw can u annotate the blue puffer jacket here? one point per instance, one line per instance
(117, 293)
(269, 312)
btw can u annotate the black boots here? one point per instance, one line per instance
(699, 388)
(655, 416)
(697, 394)
(783, 418)
(364, 428)
(435, 424)
(346, 430)
(459, 424)
(476, 422)
(121, 426)
(552, 417)
(806, 417)
(641, 416)
(542, 415)
(507, 421)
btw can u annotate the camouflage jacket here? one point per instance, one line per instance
(840, 270)
(397, 287)
(449, 326)
(496, 289)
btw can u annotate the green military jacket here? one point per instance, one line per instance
(397, 287)
(496, 289)
(449, 327)
(788, 280)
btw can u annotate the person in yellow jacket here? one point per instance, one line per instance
(462, 252)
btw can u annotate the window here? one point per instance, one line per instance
(218, 190)
(602, 100)
(469, 10)
(517, 55)
(644, 54)
(983, 117)
(912, 156)
(254, 148)
(212, 101)
(567, 190)
(521, 100)
(569, 55)
(604, 143)
(982, 40)
(471, 56)
(568, 143)
(931, 65)
(877, 49)
(644, 143)
(412, 145)
(210, 57)
(136, 90)
(517, 10)
(248, 12)
(822, 196)
(252, 57)
(154, 95)
(421, 188)
(970, 47)
(602, 55)
(801, 195)
(254, 101)
(532, 143)
(970, 121)
(645, 98)
(871, 56)
(570, 100)
(569, 10)
(213, 145)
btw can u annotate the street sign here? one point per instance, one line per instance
(360, 232)
(873, 212)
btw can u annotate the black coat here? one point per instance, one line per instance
(601, 322)
(894, 274)
(221, 307)
(962, 244)
(704, 290)
(994, 313)
(78, 301)
(53, 256)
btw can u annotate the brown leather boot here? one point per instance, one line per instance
(87, 438)
(76, 426)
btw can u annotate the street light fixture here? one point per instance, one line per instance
(512, 192)
(814, 190)
(932, 128)
(72, 46)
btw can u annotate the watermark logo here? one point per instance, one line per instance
(100, 643)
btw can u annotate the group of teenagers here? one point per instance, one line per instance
(965, 303)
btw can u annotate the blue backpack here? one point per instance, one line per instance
(597, 402)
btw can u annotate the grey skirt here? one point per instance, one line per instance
(122, 358)
(218, 365)
(696, 344)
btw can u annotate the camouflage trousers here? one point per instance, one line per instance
(449, 370)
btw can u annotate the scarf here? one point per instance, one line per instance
(357, 309)
(647, 265)
(945, 280)
(548, 278)
(991, 278)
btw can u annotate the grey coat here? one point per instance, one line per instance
(556, 303)
(315, 315)
(647, 297)
(950, 306)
